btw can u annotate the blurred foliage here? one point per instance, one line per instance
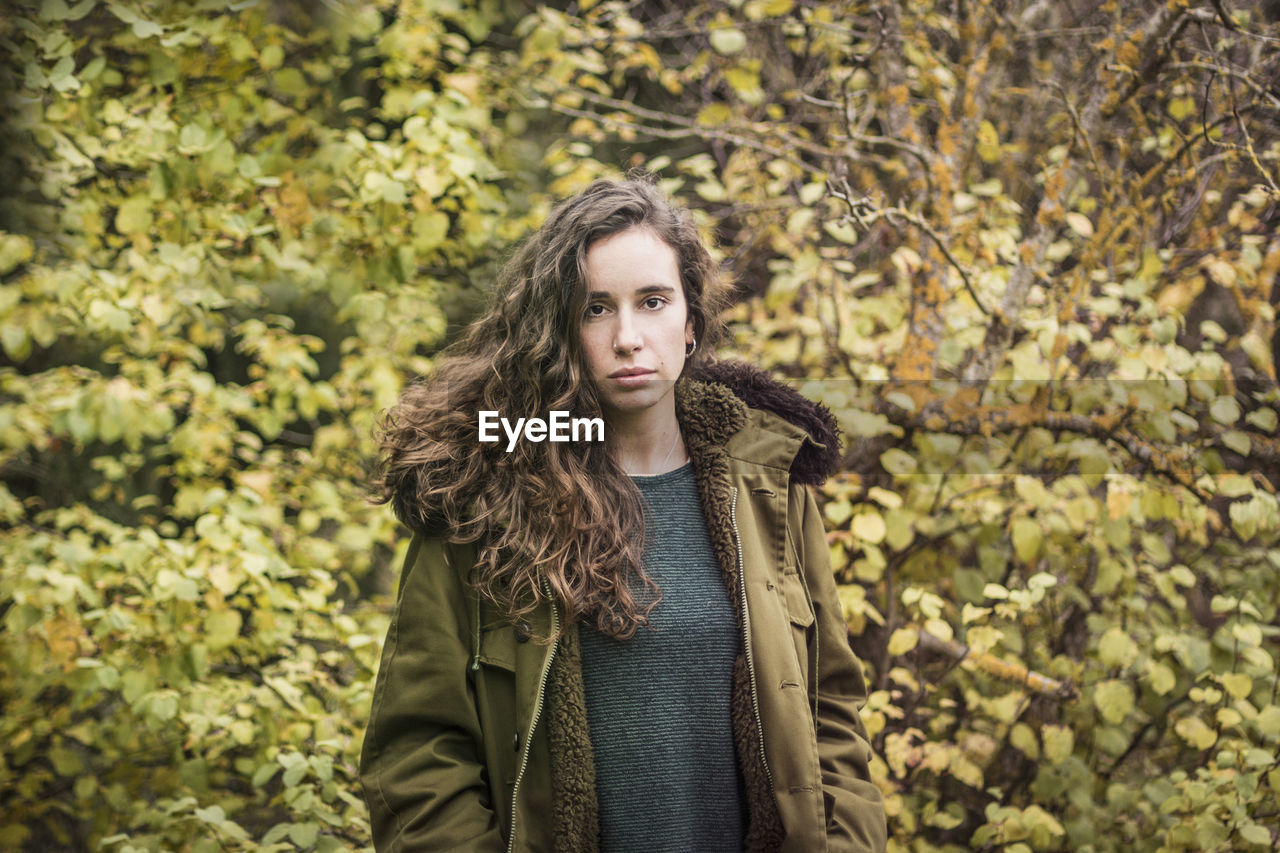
(1026, 252)
(232, 229)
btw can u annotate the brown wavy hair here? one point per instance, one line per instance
(560, 512)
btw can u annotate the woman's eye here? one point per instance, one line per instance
(595, 310)
(655, 302)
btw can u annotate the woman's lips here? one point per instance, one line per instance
(631, 377)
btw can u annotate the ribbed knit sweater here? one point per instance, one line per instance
(658, 704)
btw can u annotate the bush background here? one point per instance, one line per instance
(1025, 251)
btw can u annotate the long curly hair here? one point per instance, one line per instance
(563, 512)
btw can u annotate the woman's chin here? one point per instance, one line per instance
(629, 404)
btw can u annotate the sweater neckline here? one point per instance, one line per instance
(665, 477)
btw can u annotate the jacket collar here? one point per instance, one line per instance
(719, 399)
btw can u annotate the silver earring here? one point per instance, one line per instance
(689, 348)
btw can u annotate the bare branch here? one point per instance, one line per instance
(864, 213)
(994, 666)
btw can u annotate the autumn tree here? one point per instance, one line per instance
(1024, 250)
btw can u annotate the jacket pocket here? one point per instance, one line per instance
(795, 603)
(795, 599)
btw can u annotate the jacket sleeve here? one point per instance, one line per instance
(421, 761)
(855, 808)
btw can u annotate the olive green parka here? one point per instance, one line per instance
(478, 735)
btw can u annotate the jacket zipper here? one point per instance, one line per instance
(537, 712)
(746, 633)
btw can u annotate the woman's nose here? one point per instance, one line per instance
(626, 337)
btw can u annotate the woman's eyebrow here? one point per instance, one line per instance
(646, 290)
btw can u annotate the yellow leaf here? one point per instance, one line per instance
(1059, 742)
(1024, 740)
(1237, 684)
(714, 115)
(1220, 271)
(982, 639)
(870, 527)
(884, 497)
(903, 640)
(1225, 410)
(939, 628)
(1116, 649)
(1080, 224)
(746, 83)
(1180, 108)
(899, 531)
(1194, 731)
(431, 181)
(728, 41)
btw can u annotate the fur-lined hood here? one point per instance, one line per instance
(716, 417)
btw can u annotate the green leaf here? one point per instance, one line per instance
(1027, 537)
(222, 627)
(837, 511)
(1256, 834)
(293, 775)
(54, 10)
(1225, 410)
(897, 462)
(15, 249)
(271, 57)
(1114, 699)
(1238, 441)
(134, 215)
(145, 29)
(62, 77)
(1268, 720)
(81, 9)
(16, 342)
(1161, 678)
(304, 834)
(1264, 419)
(213, 814)
(430, 230)
(1116, 649)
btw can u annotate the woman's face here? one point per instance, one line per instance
(636, 324)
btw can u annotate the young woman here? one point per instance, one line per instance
(633, 643)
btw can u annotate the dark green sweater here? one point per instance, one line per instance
(658, 704)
